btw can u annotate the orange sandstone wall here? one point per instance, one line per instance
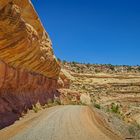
(28, 68)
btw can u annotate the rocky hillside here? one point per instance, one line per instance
(28, 67)
(100, 68)
(113, 90)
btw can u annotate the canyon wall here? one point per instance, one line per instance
(28, 68)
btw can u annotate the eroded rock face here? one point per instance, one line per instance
(28, 67)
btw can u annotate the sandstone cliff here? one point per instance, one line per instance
(28, 67)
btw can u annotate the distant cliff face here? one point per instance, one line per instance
(28, 67)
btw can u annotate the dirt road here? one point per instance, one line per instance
(63, 123)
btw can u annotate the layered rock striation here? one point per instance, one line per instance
(28, 68)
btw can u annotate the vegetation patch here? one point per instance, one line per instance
(114, 108)
(131, 130)
(98, 106)
(36, 107)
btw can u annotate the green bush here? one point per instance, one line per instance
(97, 106)
(115, 108)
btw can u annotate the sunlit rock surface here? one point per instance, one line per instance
(28, 67)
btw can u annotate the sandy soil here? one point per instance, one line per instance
(58, 123)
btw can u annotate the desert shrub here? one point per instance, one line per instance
(97, 106)
(97, 71)
(45, 106)
(88, 65)
(78, 68)
(64, 61)
(111, 67)
(138, 126)
(35, 108)
(81, 103)
(57, 101)
(129, 68)
(73, 103)
(131, 130)
(58, 59)
(115, 108)
(84, 87)
(50, 101)
(74, 63)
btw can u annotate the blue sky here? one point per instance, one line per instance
(94, 31)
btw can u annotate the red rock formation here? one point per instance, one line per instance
(28, 68)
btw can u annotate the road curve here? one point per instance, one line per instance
(64, 123)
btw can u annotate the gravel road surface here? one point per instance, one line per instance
(63, 123)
